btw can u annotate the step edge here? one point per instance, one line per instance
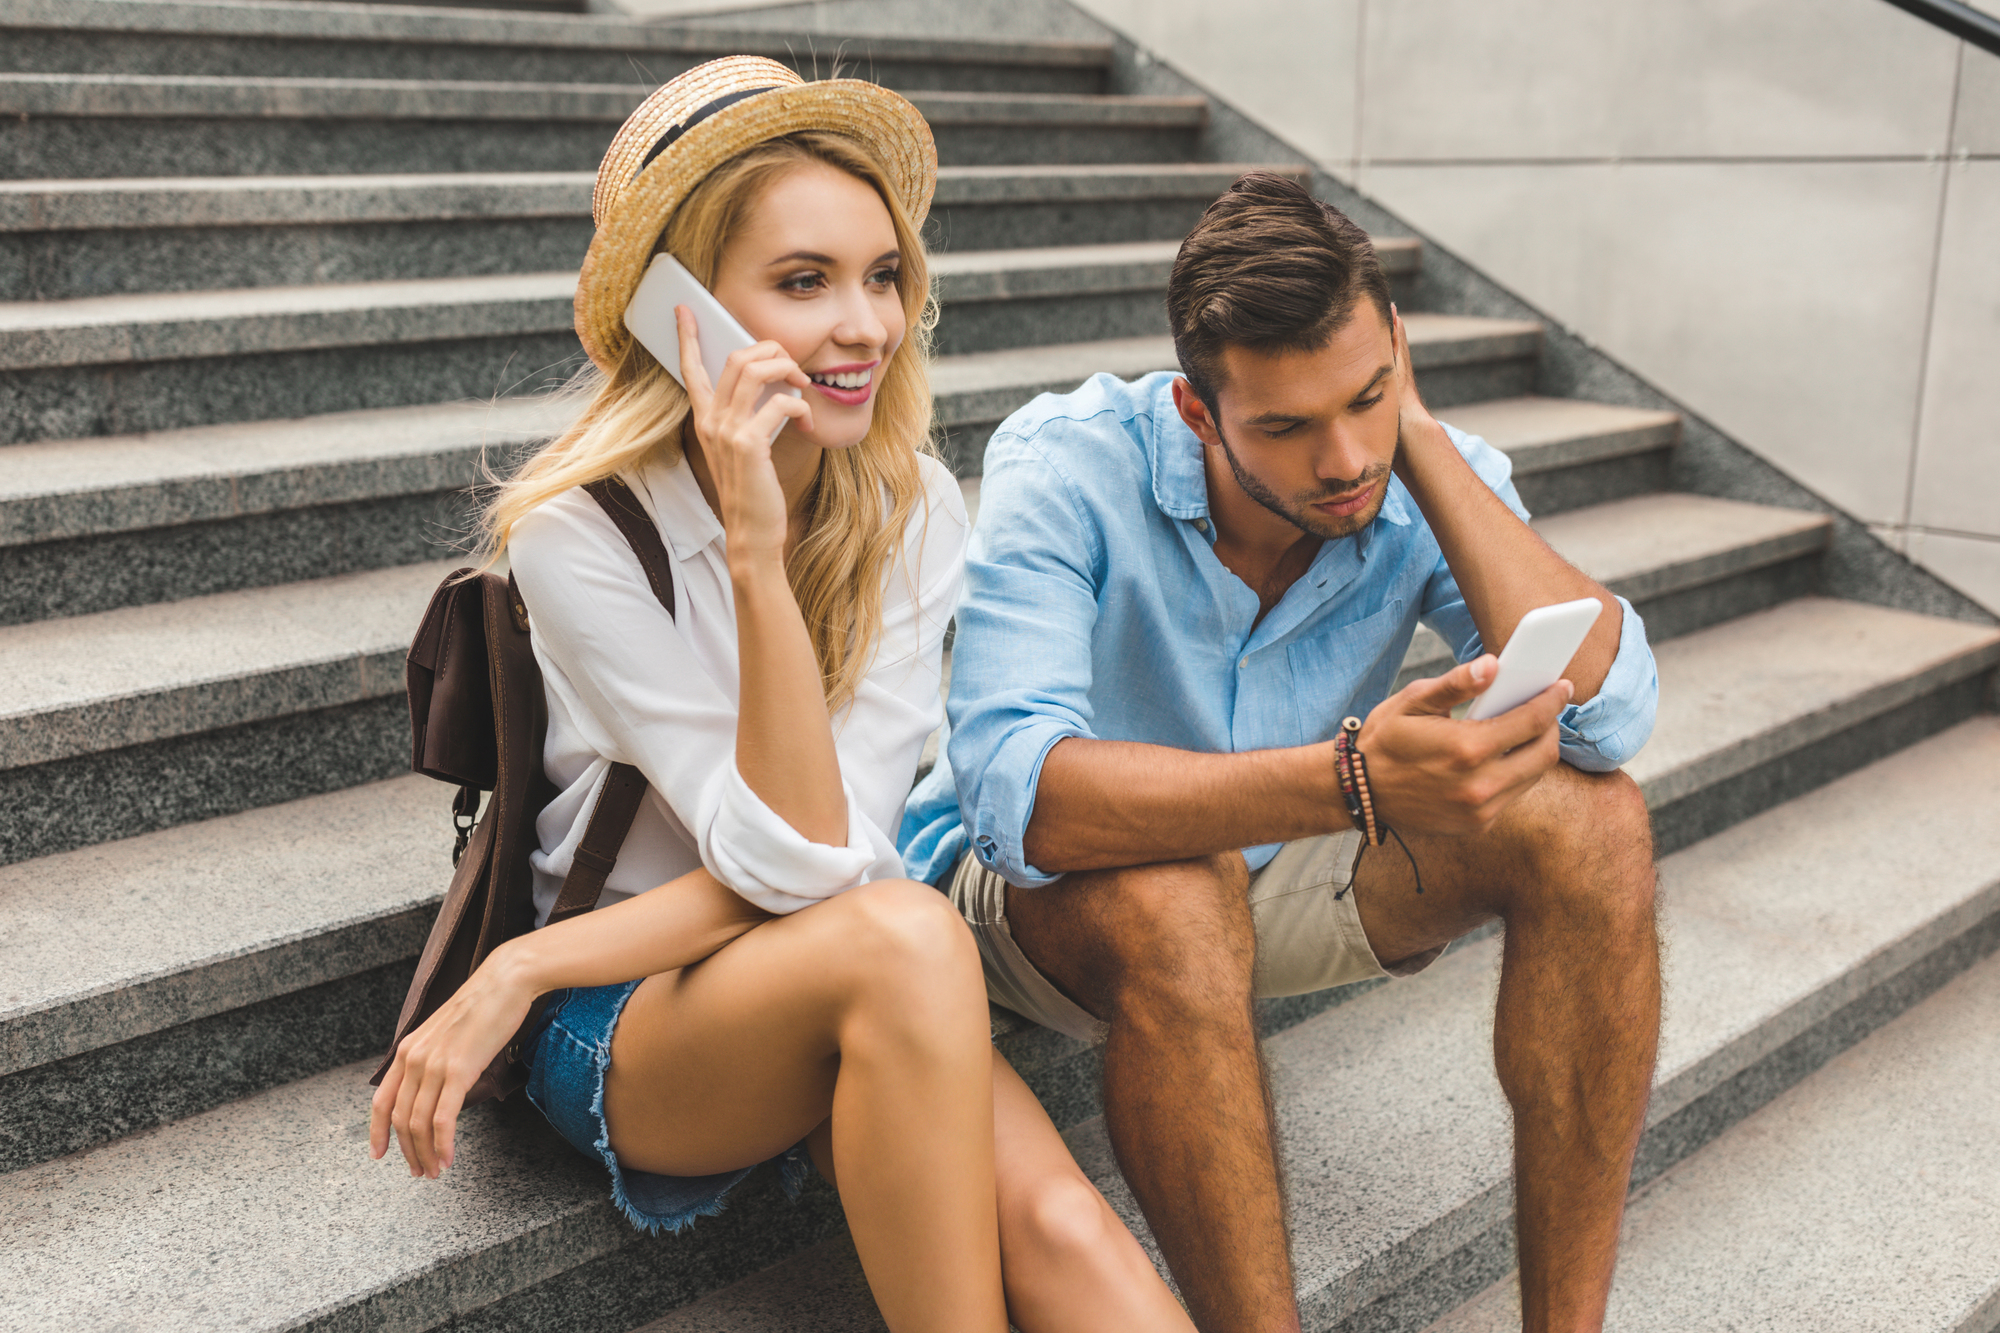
(1800, 730)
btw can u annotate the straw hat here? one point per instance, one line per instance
(694, 124)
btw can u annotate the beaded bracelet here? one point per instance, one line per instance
(1350, 768)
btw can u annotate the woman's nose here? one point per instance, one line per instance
(859, 324)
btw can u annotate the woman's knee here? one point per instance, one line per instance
(1058, 1221)
(894, 941)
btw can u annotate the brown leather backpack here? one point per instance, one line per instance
(477, 720)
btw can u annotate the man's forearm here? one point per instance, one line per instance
(1101, 804)
(1503, 568)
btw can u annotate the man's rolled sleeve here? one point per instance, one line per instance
(1605, 731)
(1021, 670)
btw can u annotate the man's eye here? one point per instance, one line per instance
(1280, 432)
(1363, 404)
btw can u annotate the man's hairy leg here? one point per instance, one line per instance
(1569, 867)
(1164, 953)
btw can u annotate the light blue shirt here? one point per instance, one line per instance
(1095, 606)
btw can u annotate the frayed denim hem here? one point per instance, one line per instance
(566, 1083)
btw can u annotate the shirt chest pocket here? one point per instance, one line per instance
(1346, 667)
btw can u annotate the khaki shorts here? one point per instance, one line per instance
(1309, 934)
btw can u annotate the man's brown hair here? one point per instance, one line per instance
(1271, 268)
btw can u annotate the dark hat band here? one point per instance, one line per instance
(702, 113)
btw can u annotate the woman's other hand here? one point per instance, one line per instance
(736, 437)
(436, 1065)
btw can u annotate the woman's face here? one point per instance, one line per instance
(815, 268)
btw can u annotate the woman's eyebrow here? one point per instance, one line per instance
(814, 257)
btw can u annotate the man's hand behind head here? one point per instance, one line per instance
(1432, 773)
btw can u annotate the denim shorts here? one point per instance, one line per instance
(567, 1061)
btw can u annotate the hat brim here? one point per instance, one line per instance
(894, 132)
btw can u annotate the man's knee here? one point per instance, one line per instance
(1587, 844)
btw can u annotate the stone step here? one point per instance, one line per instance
(1788, 937)
(121, 125)
(272, 661)
(1569, 452)
(92, 525)
(1757, 710)
(60, 240)
(1685, 562)
(122, 364)
(1869, 1189)
(136, 719)
(258, 40)
(1792, 935)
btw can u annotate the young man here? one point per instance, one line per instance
(1177, 590)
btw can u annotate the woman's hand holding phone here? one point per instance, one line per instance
(736, 436)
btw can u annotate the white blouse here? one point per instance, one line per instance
(626, 683)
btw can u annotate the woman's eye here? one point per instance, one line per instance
(887, 276)
(801, 282)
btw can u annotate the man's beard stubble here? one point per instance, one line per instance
(1298, 513)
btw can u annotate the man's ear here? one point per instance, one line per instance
(1195, 412)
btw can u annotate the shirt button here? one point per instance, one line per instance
(1201, 525)
(1243, 665)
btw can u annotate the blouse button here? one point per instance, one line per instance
(1201, 525)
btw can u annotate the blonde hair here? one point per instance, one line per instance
(837, 570)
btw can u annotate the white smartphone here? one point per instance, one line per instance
(1537, 654)
(649, 317)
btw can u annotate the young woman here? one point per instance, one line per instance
(783, 988)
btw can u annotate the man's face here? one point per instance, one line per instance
(1311, 436)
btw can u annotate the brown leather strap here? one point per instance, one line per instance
(617, 805)
(617, 500)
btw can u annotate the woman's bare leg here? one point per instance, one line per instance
(1067, 1260)
(1069, 1263)
(868, 1008)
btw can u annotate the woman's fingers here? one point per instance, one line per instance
(758, 373)
(694, 375)
(423, 1117)
(406, 1095)
(444, 1121)
(729, 381)
(772, 415)
(381, 1105)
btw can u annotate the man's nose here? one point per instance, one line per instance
(1344, 460)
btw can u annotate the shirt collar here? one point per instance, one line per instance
(1180, 485)
(671, 494)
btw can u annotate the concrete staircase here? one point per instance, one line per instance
(277, 282)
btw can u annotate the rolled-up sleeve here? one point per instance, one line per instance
(1021, 671)
(1609, 728)
(642, 698)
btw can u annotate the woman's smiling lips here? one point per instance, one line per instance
(849, 384)
(1354, 504)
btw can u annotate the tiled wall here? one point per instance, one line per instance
(1784, 212)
